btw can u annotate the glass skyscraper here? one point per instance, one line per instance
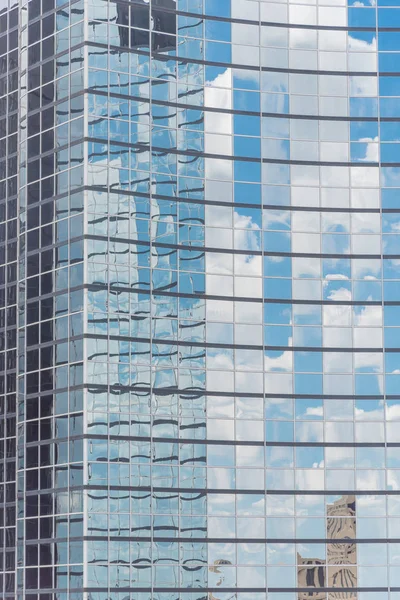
(200, 300)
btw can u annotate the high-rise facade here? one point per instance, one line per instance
(199, 300)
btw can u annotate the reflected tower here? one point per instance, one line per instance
(339, 569)
(199, 300)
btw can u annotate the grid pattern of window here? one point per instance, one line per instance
(208, 373)
(8, 290)
(50, 339)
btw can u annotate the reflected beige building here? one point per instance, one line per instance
(339, 570)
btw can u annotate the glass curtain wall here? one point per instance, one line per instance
(8, 289)
(208, 267)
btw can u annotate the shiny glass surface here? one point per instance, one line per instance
(200, 300)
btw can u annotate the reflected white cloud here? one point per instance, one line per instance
(372, 149)
(282, 362)
(218, 94)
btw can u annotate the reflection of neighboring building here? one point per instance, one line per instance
(163, 24)
(311, 574)
(215, 568)
(339, 570)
